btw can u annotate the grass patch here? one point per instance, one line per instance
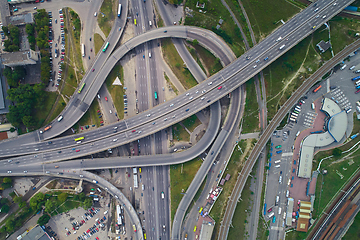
(265, 15)
(242, 210)
(191, 122)
(116, 91)
(43, 110)
(279, 76)
(98, 42)
(179, 133)
(68, 205)
(354, 231)
(234, 167)
(214, 12)
(181, 176)
(70, 82)
(107, 15)
(251, 115)
(343, 32)
(196, 57)
(212, 63)
(176, 64)
(91, 117)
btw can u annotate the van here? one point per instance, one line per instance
(277, 161)
(343, 67)
(279, 39)
(312, 106)
(280, 179)
(149, 54)
(60, 118)
(271, 214)
(351, 68)
(279, 211)
(143, 187)
(282, 46)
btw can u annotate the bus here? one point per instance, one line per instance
(106, 46)
(83, 50)
(317, 89)
(156, 97)
(119, 10)
(81, 88)
(79, 139)
(134, 227)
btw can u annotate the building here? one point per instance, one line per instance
(289, 212)
(22, 58)
(206, 231)
(37, 233)
(323, 46)
(20, 19)
(4, 11)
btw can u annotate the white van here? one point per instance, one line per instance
(277, 200)
(60, 118)
(279, 211)
(343, 67)
(312, 106)
(271, 214)
(277, 161)
(297, 134)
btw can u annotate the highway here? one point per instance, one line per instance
(307, 84)
(295, 30)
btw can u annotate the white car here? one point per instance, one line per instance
(148, 115)
(115, 140)
(9, 171)
(209, 83)
(171, 105)
(175, 149)
(110, 111)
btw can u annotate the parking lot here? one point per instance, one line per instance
(81, 224)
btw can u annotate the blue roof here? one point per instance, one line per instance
(351, 8)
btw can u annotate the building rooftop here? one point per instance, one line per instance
(337, 125)
(323, 46)
(37, 233)
(20, 19)
(206, 231)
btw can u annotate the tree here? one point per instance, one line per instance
(62, 197)
(337, 152)
(49, 206)
(82, 196)
(44, 219)
(195, 42)
(87, 203)
(40, 196)
(5, 208)
(4, 201)
(18, 199)
(7, 180)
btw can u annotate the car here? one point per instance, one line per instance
(90, 49)
(265, 59)
(324, 16)
(9, 171)
(175, 149)
(202, 98)
(90, 39)
(106, 98)
(171, 105)
(114, 140)
(101, 121)
(35, 8)
(255, 66)
(133, 130)
(270, 209)
(119, 28)
(165, 31)
(219, 87)
(77, 150)
(139, 132)
(93, 71)
(110, 111)
(25, 171)
(209, 83)
(187, 94)
(153, 123)
(208, 100)
(212, 152)
(187, 110)
(59, 151)
(190, 98)
(165, 119)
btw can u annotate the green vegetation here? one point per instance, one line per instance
(354, 231)
(265, 15)
(170, 84)
(196, 57)
(98, 42)
(91, 116)
(14, 75)
(57, 109)
(12, 44)
(73, 21)
(211, 63)
(30, 31)
(176, 64)
(181, 176)
(251, 115)
(107, 15)
(237, 160)
(191, 122)
(117, 92)
(44, 219)
(242, 210)
(343, 32)
(179, 133)
(209, 19)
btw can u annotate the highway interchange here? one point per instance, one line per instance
(227, 79)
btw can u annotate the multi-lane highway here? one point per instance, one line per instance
(291, 33)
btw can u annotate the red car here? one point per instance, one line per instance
(61, 20)
(219, 87)
(93, 69)
(270, 210)
(90, 49)
(98, 111)
(105, 98)
(82, 128)
(357, 91)
(102, 122)
(50, 41)
(133, 131)
(77, 150)
(97, 238)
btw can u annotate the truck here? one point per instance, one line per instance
(282, 46)
(94, 181)
(136, 185)
(83, 50)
